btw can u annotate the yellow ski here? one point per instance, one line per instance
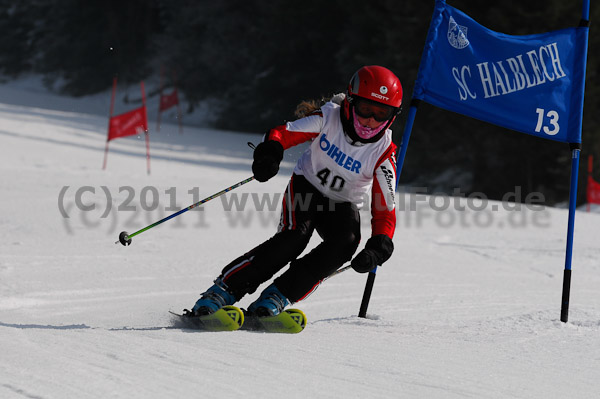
(290, 321)
(228, 318)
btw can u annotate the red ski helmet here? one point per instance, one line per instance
(376, 83)
(372, 83)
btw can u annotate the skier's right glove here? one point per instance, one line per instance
(377, 250)
(267, 157)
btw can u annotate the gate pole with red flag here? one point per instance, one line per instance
(146, 130)
(178, 106)
(160, 94)
(110, 114)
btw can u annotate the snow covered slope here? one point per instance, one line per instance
(468, 306)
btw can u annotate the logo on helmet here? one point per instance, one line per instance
(379, 96)
(383, 90)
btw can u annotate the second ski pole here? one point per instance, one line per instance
(125, 238)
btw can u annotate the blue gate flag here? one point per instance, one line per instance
(533, 84)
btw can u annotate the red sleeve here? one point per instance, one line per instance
(288, 138)
(383, 210)
(297, 132)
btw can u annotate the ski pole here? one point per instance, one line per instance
(125, 238)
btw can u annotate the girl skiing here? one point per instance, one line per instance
(350, 157)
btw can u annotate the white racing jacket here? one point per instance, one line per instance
(343, 171)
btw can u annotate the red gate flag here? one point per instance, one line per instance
(593, 191)
(593, 187)
(128, 124)
(168, 100)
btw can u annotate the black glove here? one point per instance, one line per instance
(267, 157)
(378, 249)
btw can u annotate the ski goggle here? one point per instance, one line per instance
(367, 109)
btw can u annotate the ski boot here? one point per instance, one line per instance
(213, 299)
(270, 303)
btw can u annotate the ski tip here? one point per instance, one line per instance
(298, 316)
(290, 321)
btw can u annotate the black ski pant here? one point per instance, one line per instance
(304, 210)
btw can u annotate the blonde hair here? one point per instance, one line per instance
(307, 107)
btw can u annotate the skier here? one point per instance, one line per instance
(350, 157)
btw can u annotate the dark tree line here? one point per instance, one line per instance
(257, 59)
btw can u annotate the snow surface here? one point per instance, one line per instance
(467, 307)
